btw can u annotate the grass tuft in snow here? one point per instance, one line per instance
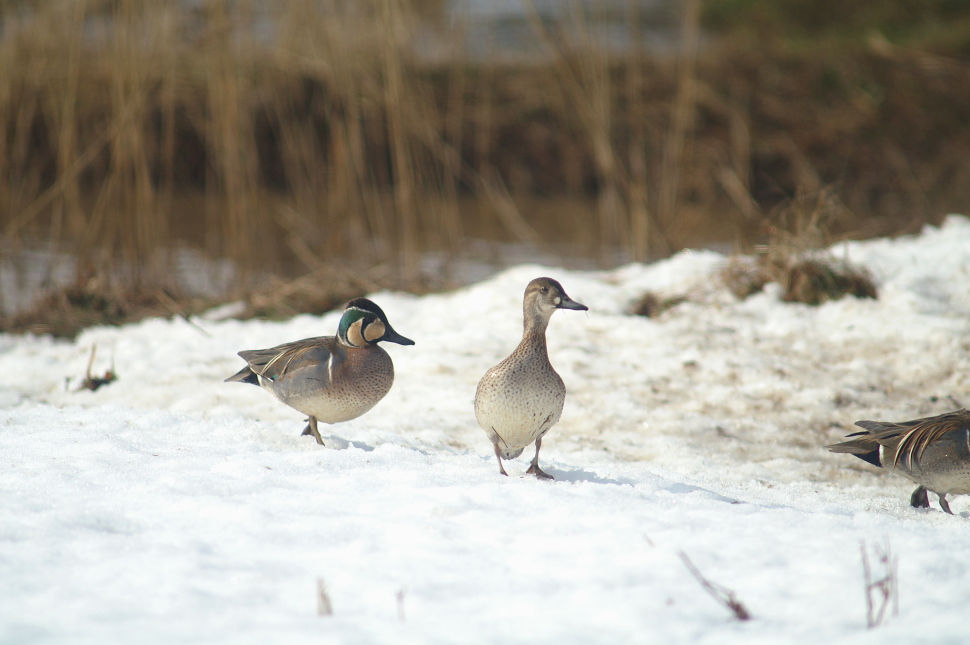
(744, 276)
(812, 280)
(651, 305)
(798, 259)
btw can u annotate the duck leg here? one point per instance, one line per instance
(534, 467)
(944, 504)
(919, 499)
(311, 429)
(498, 455)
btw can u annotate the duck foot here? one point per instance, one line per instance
(311, 429)
(538, 472)
(919, 498)
(944, 504)
(534, 466)
(498, 455)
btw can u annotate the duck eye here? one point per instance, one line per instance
(544, 289)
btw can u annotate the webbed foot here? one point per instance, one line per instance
(534, 466)
(538, 472)
(311, 429)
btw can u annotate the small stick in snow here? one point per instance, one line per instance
(721, 594)
(884, 589)
(400, 603)
(176, 310)
(324, 608)
(94, 382)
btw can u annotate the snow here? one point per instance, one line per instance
(171, 507)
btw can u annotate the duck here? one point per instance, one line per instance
(933, 452)
(329, 378)
(521, 398)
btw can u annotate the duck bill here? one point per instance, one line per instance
(569, 303)
(394, 337)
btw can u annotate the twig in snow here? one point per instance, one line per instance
(400, 603)
(721, 594)
(174, 307)
(882, 590)
(324, 608)
(94, 382)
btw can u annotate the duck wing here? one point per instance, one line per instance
(925, 432)
(277, 362)
(905, 442)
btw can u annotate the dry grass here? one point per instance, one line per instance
(292, 138)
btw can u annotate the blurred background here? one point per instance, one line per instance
(161, 157)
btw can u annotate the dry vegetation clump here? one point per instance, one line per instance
(744, 275)
(817, 280)
(652, 305)
(796, 258)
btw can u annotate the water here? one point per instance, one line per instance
(493, 30)
(27, 274)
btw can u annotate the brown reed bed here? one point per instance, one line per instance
(310, 138)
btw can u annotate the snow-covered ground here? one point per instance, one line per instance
(170, 507)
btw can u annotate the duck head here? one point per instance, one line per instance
(544, 296)
(364, 324)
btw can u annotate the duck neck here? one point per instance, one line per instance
(534, 330)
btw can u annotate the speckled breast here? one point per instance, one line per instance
(519, 404)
